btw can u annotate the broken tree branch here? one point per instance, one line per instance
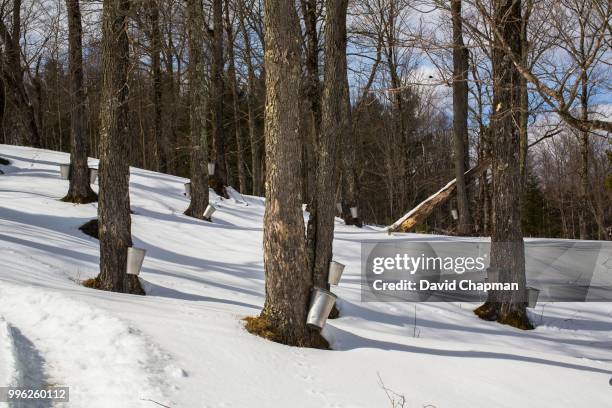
(421, 212)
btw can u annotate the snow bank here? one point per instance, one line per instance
(203, 278)
(8, 365)
(105, 363)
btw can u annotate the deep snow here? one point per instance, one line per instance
(184, 344)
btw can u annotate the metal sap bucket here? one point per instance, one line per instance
(455, 214)
(135, 257)
(321, 303)
(187, 190)
(339, 208)
(211, 168)
(209, 211)
(532, 297)
(335, 272)
(65, 171)
(354, 212)
(93, 175)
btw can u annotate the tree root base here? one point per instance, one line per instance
(491, 312)
(353, 221)
(96, 283)
(91, 197)
(217, 185)
(262, 327)
(190, 213)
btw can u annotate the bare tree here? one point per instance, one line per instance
(23, 117)
(460, 117)
(114, 208)
(288, 279)
(197, 110)
(160, 145)
(311, 90)
(221, 174)
(255, 138)
(507, 247)
(561, 98)
(233, 81)
(335, 125)
(80, 190)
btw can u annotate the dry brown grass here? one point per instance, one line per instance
(260, 326)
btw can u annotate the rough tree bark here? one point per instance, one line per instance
(311, 91)
(231, 74)
(114, 207)
(524, 117)
(79, 190)
(197, 110)
(171, 104)
(257, 159)
(288, 280)
(22, 115)
(161, 145)
(507, 247)
(220, 178)
(583, 209)
(334, 127)
(460, 118)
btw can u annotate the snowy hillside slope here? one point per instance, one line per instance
(184, 344)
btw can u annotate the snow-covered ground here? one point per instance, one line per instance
(184, 344)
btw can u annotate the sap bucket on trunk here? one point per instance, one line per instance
(532, 297)
(209, 211)
(135, 257)
(354, 212)
(321, 303)
(211, 168)
(335, 272)
(65, 171)
(339, 208)
(93, 175)
(187, 190)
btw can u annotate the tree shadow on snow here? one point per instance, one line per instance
(153, 289)
(344, 340)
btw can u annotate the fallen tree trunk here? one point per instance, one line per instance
(421, 212)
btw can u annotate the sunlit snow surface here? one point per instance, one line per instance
(184, 344)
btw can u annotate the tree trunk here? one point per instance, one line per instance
(197, 111)
(460, 118)
(288, 280)
(507, 247)
(583, 209)
(334, 127)
(22, 116)
(160, 145)
(80, 189)
(171, 109)
(114, 207)
(257, 159)
(221, 171)
(231, 73)
(524, 102)
(311, 91)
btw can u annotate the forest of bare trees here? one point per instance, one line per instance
(410, 66)
(360, 109)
